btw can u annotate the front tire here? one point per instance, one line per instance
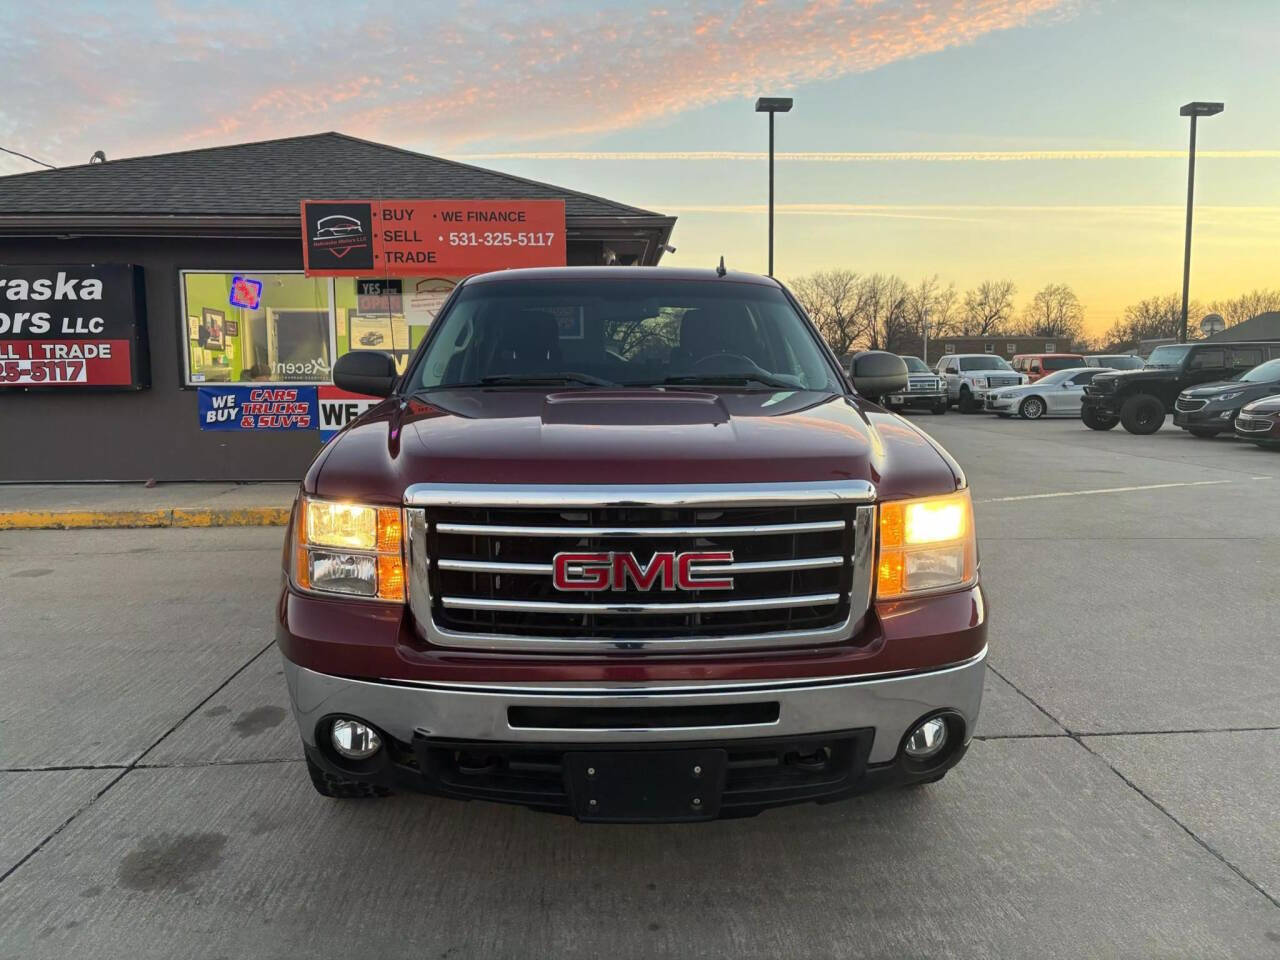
(1094, 421)
(1142, 414)
(1031, 408)
(967, 403)
(341, 788)
(940, 409)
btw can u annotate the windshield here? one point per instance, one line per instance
(1268, 372)
(1169, 356)
(623, 332)
(1062, 363)
(916, 365)
(984, 363)
(1119, 362)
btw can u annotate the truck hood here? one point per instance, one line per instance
(626, 436)
(1122, 377)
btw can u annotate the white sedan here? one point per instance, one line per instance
(1057, 395)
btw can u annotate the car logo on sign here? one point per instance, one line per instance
(666, 570)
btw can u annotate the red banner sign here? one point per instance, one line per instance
(414, 238)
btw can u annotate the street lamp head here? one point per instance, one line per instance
(773, 105)
(1200, 108)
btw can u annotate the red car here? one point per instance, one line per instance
(674, 567)
(1037, 365)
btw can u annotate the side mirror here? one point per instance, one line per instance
(875, 373)
(371, 372)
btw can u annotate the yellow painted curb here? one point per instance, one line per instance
(122, 519)
(236, 517)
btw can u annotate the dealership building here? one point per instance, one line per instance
(177, 317)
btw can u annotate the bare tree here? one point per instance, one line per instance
(833, 300)
(884, 298)
(988, 309)
(929, 301)
(1242, 308)
(1054, 311)
(1151, 319)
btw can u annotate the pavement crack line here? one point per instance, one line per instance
(132, 765)
(1078, 738)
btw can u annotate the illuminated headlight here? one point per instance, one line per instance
(348, 548)
(926, 545)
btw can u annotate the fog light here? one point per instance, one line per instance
(928, 739)
(354, 740)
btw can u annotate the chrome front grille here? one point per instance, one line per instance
(924, 385)
(1010, 381)
(1187, 405)
(482, 562)
(1253, 424)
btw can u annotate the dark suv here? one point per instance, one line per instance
(1140, 399)
(1211, 408)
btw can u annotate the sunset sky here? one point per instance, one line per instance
(1035, 140)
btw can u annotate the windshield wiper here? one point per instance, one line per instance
(730, 380)
(541, 379)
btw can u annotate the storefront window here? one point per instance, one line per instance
(392, 315)
(300, 324)
(285, 338)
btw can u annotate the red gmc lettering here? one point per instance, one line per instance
(688, 576)
(612, 571)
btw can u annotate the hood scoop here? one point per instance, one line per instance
(633, 408)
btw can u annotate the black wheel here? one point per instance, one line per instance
(328, 785)
(1031, 408)
(1201, 432)
(967, 403)
(940, 408)
(1142, 414)
(1094, 421)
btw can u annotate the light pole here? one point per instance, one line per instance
(772, 105)
(925, 319)
(1193, 110)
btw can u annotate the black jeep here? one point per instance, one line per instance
(1140, 399)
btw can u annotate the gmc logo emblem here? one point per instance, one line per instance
(612, 571)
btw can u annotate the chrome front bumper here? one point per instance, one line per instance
(889, 704)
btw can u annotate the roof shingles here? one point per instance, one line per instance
(271, 177)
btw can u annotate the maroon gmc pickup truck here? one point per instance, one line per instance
(628, 544)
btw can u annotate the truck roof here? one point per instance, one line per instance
(621, 273)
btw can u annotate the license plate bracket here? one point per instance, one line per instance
(646, 786)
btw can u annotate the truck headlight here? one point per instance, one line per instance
(979, 381)
(348, 548)
(926, 545)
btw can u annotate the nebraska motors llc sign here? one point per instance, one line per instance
(75, 326)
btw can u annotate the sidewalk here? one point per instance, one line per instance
(69, 506)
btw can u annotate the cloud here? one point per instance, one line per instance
(851, 156)
(442, 75)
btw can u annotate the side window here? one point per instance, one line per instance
(1207, 360)
(1080, 379)
(1245, 358)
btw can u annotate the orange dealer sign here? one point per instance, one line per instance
(348, 238)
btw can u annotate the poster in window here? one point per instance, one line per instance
(193, 328)
(424, 298)
(369, 333)
(211, 328)
(569, 320)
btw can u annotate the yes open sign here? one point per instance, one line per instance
(246, 292)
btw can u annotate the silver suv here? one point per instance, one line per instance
(969, 376)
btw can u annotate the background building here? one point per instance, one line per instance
(190, 223)
(1006, 347)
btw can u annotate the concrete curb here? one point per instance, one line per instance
(121, 519)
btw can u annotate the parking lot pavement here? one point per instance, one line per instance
(1119, 799)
